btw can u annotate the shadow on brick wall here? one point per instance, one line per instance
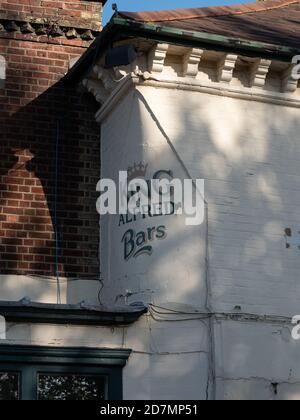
(50, 164)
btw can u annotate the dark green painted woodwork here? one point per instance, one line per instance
(31, 361)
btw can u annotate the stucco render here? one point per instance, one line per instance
(168, 361)
(242, 140)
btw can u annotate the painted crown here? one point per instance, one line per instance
(138, 170)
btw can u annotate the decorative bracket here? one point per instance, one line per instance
(191, 62)
(259, 71)
(97, 89)
(225, 67)
(106, 77)
(156, 58)
(197, 66)
(289, 83)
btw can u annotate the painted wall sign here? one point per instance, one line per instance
(137, 243)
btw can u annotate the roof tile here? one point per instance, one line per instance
(271, 21)
(184, 14)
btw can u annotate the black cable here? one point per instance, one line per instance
(56, 230)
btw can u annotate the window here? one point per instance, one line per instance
(83, 387)
(9, 386)
(47, 373)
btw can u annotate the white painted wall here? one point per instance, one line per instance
(2, 71)
(44, 289)
(172, 277)
(255, 358)
(159, 367)
(176, 271)
(248, 153)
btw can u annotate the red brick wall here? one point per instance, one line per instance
(49, 147)
(85, 14)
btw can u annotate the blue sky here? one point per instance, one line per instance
(138, 5)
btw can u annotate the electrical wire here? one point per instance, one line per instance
(100, 291)
(245, 316)
(41, 277)
(155, 307)
(56, 229)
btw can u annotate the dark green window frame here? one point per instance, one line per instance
(30, 361)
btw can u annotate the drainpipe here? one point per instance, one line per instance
(2, 72)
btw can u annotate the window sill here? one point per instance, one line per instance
(81, 314)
